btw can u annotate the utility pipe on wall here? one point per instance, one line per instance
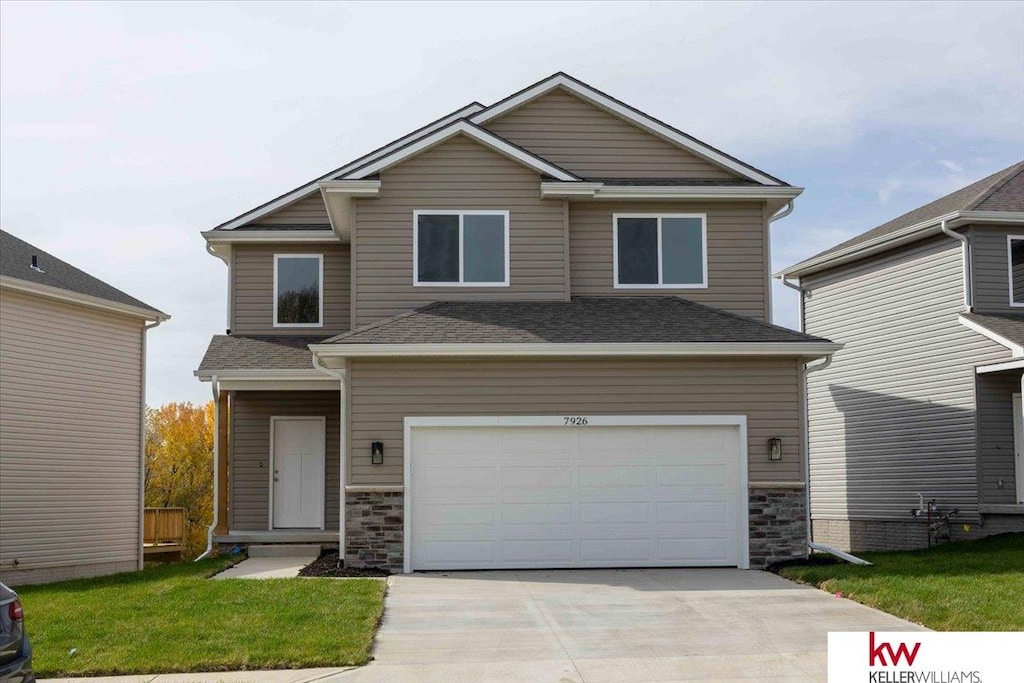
(215, 386)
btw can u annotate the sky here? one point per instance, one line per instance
(126, 129)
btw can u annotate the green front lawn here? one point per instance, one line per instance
(172, 618)
(967, 586)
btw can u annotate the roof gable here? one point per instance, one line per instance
(593, 143)
(627, 113)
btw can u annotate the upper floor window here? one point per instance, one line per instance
(460, 248)
(298, 290)
(660, 251)
(1015, 247)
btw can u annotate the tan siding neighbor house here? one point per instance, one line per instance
(72, 363)
(559, 351)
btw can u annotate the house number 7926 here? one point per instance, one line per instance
(576, 421)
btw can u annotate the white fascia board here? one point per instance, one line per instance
(253, 236)
(277, 385)
(803, 349)
(600, 191)
(1016, 364)
(640, 119)
(311, 187)
(1015, 348)
(264, 374)
(1000, 217)
(353, 188)
(462, 127)
(68, 296)
(864, 249)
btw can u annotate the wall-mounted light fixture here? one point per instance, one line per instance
(775, 448)
(377, 452)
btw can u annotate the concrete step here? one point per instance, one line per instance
(284, 550)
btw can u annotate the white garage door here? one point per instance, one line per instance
(521, 495)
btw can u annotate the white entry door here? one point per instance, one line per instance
(594, 496)
(297, 472)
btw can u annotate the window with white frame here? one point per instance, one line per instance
(460, 248)
(298, 290)
(660, 251)
(1015, 254)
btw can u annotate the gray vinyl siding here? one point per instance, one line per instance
(996, 448)
(458, 174)
(991, 262)
(308, 211)
(252, 269)
(592, 143)
(895, 413)
(70, 411)
(249, 461)
(737, 262)
(384, 392)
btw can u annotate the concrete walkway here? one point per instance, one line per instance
(593, 626)
(266, 568)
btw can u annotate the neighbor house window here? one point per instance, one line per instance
(660, 251)
(460, 248)
(298, 290)
(1015, 247)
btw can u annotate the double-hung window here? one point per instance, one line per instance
(460, 248)
(298, 290)
(1015, 254)
(654, 251)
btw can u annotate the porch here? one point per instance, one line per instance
(1000, 434)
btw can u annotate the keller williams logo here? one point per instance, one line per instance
(877, 654)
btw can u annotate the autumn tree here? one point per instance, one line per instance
(179, 457)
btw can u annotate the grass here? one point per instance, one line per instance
(966, 586)
(172, 619)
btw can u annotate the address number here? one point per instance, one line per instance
(576, 421)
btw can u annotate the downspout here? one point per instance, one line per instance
(142, 445)
(342, 448)
(778, 215)
(215, 386)
(820, 547)
(968, 290)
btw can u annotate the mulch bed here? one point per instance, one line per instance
(329, 565)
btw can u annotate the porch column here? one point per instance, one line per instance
(222, 463)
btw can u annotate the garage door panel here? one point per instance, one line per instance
(521, 497)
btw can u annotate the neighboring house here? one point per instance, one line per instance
(532, 334)
(72, 388)
(924, 398)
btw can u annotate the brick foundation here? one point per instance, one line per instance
(778, 525)
(374, 529)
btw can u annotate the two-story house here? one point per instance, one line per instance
(922, 405)
(530, 334)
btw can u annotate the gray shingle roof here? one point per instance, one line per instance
(1002, 191)
(16, 262)
(258, 353)
(623, 320)
(1009, 325)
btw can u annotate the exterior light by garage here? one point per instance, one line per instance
(377, 453)
(775, 448)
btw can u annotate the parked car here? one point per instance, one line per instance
(15, 651)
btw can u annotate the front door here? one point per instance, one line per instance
(297, 472)
(1018, 445)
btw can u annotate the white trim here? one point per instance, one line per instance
(355, 188)
(320, 319)
(19, 285)
(635, 117)
(254, 236)
(1009, 267)
(276, 374)
(323, 480)
(908, 234)
(461, 213)
(1015, 364)
(804, 349)
(600, 191)
(661, 285)
(462, 127)
(739, 421)
(311, 187)
(1015, 348)
(279, 385)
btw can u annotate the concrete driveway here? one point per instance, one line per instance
(609, 626)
